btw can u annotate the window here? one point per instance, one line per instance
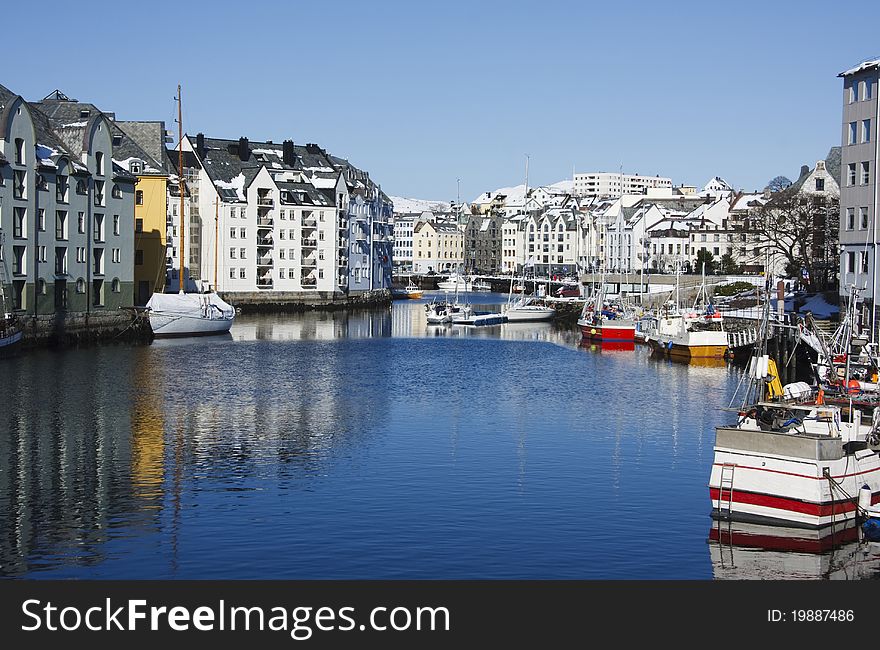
(98, 255)
(19, 223)
(135, 167)
(99, 228)
(851, 174)
(81, 223)
(80, 286)
(115, 285)
(242, 232)
(282, 234)
(242, 253)
(19, 185)
(866, 130)
(116, 224)
(231, 274)
(99, 192)
(82, 186)
(80, 254)
(19, 151)
(866, 173)
(850, 262)
(139, 197)
(281, 254)
(60, 260)
(281, 273)
(866, 89)
(232, 253)
(116, 192)
(241, 213)
(242, 274)
(61, 189)
(60, 224)
(41, 254)
(853, 133)
(99, 162)
(863, 220)
(41, 287)
(41, 220)
(232, 232)
(864, 262)
(291, 234)
(138, 226)
(850, 218)
(18, 260)
(820, 184)
(116, 255)
(853, 91)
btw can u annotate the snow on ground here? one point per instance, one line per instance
(819, 307)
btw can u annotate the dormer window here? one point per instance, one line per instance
(85, 112)
(117, 140)
(136, 166)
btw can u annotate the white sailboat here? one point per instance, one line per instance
(187, 314)
(524, 308)
(455, 282)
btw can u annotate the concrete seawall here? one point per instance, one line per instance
(71, 329)
(300, 301)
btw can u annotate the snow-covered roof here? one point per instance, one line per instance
(404, 205)
(864, 65)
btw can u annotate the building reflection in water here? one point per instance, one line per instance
(743, 551)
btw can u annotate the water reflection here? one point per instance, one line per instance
(360, 444)
(741, 551)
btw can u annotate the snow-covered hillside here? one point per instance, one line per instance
(403, 205)
(515, 194)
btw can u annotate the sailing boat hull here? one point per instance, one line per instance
(621, 330)
(10, 340)
(177, 315)
(529, 313)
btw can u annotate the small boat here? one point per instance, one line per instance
(455, 282)
(445, 311)
(481, 319)
(189, 314)
(526, 310)
(10, 331)
(603, 321)
(481, 285)
(412, 291)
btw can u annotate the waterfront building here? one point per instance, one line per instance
(438, 247)
(483, 238)
(402, 254)
(858, 181)
(66, 210)
(607, 184)
(150, 203)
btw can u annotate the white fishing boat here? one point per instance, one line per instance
(791, 459)
(181, 313)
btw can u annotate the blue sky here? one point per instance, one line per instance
(421, 94)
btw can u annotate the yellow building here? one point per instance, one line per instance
(437, 247)
(150, 214)
(139, 148)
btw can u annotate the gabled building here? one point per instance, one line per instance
(66, 210)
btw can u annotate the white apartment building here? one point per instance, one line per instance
(403, 240)
(608, 184)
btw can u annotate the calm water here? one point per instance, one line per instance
(369, 445)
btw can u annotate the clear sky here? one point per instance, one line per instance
(423, 93)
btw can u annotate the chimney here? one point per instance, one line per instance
(243, 151)
(288, 156)
(805, 169)
(200, 145)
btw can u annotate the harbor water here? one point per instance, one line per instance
(368, 444)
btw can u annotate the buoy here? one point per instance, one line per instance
(853, 386)
(865, 496)
(820, 397)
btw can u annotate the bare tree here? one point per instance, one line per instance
(802, 227)
(778, 184)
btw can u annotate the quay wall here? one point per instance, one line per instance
(58, 330)
(300, 301)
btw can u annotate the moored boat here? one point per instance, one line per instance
(189, 314)
(455, 282)
(602, 321)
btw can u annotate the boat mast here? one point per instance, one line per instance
(216, 236)
(180, 181)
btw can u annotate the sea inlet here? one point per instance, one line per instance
(368, 444)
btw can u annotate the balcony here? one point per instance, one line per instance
(310, 222)
(309, 261)
(265, 242)
(264, 283)
(265, 222)
(308, 281)
(360, 236)
(309, 242)
(265, 202)
(266, 260)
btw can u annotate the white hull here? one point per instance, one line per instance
(783, 477)
(189, 315)
(529, 313)
(461, 285)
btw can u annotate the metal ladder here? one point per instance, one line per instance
(726, 482)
